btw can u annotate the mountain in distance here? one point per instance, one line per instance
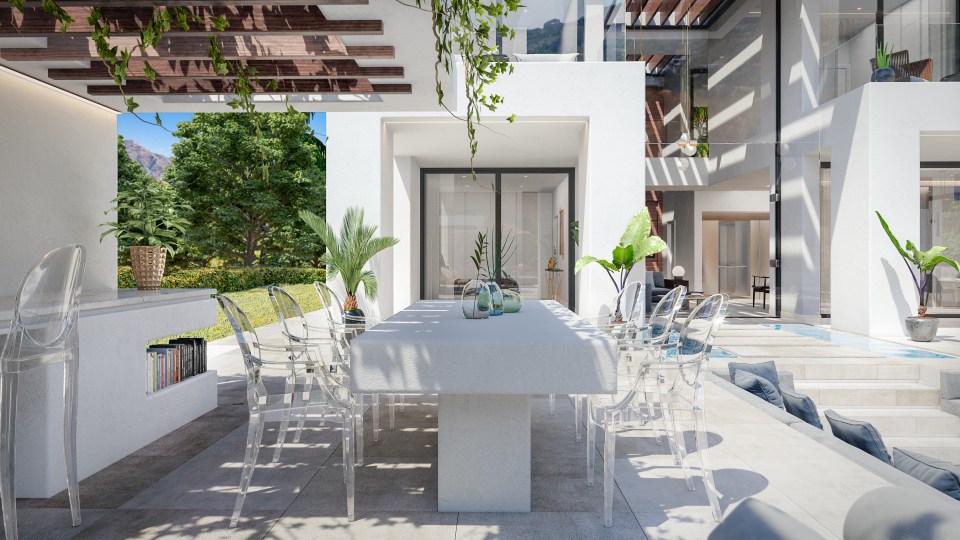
(153, 163)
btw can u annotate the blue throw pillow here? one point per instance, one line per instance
(766, 370)
(801, 406)
(759, 387)
(938, 474)
(858, 433)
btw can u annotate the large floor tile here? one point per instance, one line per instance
(547, 525)
(178, 524)
(381, 526)
(52, 523)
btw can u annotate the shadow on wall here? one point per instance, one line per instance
(903, 305)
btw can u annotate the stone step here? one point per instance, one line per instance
(843, 370)
(868, 393)
(945, 448)
(904, 421)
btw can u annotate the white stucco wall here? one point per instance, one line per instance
(563, 121)
(58, 173)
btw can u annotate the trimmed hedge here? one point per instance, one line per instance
(227, 280)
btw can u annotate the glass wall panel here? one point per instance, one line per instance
(940, 226)
(456, 210)
(567, 31)
(848, 37)
(527, 220)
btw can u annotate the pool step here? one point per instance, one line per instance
(903, 421)
(868, 393)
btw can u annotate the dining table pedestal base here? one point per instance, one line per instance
(484, 453)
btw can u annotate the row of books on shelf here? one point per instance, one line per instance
(175, 361)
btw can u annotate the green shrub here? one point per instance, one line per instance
(228, 280)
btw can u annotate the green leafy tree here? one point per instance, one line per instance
(246, 186)
(149, 212)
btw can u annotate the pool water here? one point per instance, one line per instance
(890, 350)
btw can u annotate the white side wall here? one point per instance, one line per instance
(58, 175)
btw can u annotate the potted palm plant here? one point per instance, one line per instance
(636, 244)
(348, 253)
(921, 265)
(150, 225)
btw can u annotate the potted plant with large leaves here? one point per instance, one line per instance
(636, 244)
(348, 253)
(149, 224)
(921, 265)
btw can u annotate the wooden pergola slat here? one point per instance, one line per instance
(243, 21)
(203, 69)
(62, 48)
(286, 86)
(151, 3)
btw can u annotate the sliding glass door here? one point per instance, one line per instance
(524, 216)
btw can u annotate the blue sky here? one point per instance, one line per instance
(160, 141)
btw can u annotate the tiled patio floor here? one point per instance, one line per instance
(184, 485)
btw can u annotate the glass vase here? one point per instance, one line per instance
(496, 296)
(475, 300)
(512, 301)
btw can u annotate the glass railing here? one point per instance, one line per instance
(920, 52)
(567, 31)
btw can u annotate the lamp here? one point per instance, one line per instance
(678, 272)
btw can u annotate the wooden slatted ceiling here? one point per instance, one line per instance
(203, 69)
(672, 12)
(219, 86)
(287, 41)
(243, 21)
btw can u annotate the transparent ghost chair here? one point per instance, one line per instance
(682, 362)
(43, 331)
(622, 322)
(341, 333)
(335, 404)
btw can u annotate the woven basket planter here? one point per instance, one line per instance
(147, 263)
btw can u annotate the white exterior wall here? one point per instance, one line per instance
(372, 163)
(58, 176)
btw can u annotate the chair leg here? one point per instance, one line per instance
(254, 436)
(703, 452)
(71, 380)
(400, 401)
(307, 388)
(289, 388)
(669, 427)
(358, 430)
(391, 409)
(552, 398)
(348, 462)
(681, 441)
(591, 444)
(375, 405)
(8, 425)
(577, 415)
(609, 457)
(754, 303)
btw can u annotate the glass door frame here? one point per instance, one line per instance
(498, 173)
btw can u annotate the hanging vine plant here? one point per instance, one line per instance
(466, 28)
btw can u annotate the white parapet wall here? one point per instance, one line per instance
(116, 416)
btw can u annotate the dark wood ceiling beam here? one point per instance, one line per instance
(703, 9)
(650, 11)
(287, 86)
(63, 48)
(203, 69)
(243, 21)
(667, 9)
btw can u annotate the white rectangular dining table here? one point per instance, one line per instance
(485, 372)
